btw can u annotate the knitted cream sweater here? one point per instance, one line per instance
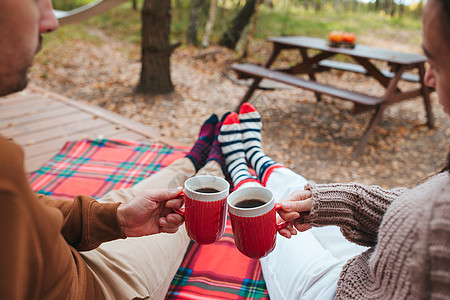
(408, 232)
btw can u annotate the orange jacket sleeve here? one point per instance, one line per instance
(87, 223)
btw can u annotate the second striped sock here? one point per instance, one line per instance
(230, 139)
(251, 125)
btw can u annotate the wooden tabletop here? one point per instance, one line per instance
(359, 50)
(42, 121)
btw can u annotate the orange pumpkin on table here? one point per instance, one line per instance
(348, 37)
(349, 40)
(336, 36)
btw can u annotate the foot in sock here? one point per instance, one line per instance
(251, 125)
(230, 139)
(201, 149)
(216, 152)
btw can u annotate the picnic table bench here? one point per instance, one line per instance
(402, 66)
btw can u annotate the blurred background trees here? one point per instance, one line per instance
(160, 24)
(225, 21)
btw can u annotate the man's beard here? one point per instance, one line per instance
(18, 81)
(14, 82)
(39, 46)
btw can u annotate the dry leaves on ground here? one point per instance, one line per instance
(313, 138)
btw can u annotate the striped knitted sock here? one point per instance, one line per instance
(200, 151)
(251, 126)
(216, 152)
(230, 139)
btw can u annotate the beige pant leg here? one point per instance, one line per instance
(211, 168)
(145, 266)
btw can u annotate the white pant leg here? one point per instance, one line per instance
(307, 265)
(300, 268)
(283, 182)
(331, 238)
(249, 184)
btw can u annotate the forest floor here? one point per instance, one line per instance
(315, 139)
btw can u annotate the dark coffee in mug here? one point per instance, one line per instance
(249, 203)
(206, 190)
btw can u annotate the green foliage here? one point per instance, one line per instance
(68, 4)
(308, 22)
(286, 18)
(66, 33)
(123, 23)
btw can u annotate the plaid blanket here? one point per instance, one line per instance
(94, 167)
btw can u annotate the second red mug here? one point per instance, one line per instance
(253, 220)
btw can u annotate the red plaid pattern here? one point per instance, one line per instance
(94, 167)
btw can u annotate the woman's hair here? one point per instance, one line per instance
(447, 167)
(445, 17)
(445, 21)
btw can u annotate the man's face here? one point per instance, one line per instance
(436, 46)
(21, 23)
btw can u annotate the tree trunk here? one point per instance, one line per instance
(393, 8)
(285, 16)
(318, 5)
(155, 72)
(387, 5)
(178, 4)
(419, 9)
(306, 4)
(345, 5)
(268, 3)
(252, 31)
(337, 6)
(210, 23)
(234, 31)
(354, 5)
(377, 5)
(194, 12)
(401, 10)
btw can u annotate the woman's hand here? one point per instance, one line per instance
(151, 212)
(294, 208)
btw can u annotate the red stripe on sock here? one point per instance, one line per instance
(232, 118)
(244, 181)
(269, 171)
(246, 108)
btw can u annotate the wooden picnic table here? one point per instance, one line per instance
(315, 54)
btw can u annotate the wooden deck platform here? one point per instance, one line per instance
(42, 121)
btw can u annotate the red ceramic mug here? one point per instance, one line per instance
(205, 208)
(254, 224)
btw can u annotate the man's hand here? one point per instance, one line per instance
(294, 208)
(151, 212)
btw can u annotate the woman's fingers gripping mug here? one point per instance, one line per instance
(205, 212)
(253, 220)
